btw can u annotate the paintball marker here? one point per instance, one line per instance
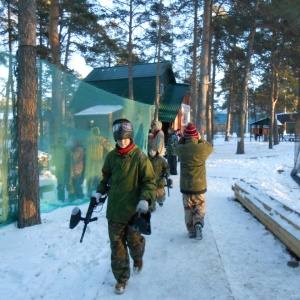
(169, 182)
(76, 215)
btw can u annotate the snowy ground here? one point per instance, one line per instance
(237, 258)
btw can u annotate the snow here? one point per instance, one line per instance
(237, 258)
(99, 110)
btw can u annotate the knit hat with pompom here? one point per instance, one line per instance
(190, 131)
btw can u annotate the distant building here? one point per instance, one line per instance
(175, 98)
(220, 120)
(288, 121)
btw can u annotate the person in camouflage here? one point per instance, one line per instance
(95, 146)
(130, 184)
(77, 164)
(171, 155)
(160, 167)
(193, 152)
(59, 161)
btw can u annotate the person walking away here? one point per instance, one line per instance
(193, 152)
(96, 146)
(161, 168)
(172, 143)
(129, 182)
(157, 139)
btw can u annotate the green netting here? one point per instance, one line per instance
(75, 121)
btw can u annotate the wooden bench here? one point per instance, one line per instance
(281, 220)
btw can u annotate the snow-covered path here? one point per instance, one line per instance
(237, 258)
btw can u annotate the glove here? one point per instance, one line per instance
(99, 198)
(142, 206)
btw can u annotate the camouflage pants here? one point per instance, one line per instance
(194, 210)
(122, 237)
(160, 198)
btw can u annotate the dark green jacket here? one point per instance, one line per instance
(160, 167)
(132, 179)
(192, 154)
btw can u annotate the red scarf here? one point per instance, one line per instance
(155, 133)
(125, 150)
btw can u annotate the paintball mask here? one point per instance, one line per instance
(122, 129)
(141, 223)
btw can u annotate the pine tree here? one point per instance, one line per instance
(29, 202)
(128, 16)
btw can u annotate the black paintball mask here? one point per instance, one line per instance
(122, 129)
(141, 222)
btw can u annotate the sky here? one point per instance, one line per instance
(238, 258)
(78, 64)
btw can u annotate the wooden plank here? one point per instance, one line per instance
(273, 210)
(291, 242)
(271, 198)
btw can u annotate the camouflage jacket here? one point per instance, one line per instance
(160, 167)
(172, 143)
(95, 147)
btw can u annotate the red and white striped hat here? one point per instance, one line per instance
(190, 131)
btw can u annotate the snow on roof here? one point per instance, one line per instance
(99, 110)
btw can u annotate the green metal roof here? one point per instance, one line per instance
(143, 88)
(262, 122)
(121, 72)
(115, 81)
(288, 117)
(171, 102)
(265, 121)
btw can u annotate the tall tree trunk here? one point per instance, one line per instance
(9, 94)
(130, 73)
(157, 85)
(277, 52)
(204, 69)
(65, 66)
(273, 98)
(213, 84)
(209, 117)
(243, 102)
(4, 166)
(194, 88)
(229, 111)
(57, 105)
(29, 202)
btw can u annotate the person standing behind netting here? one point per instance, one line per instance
(76, 171)
(95, 146)
(172, 142)
(193, 152)
(157, 138)
(59, 161)
(129, 182)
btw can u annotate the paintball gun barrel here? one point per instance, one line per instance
(169, 183)
(76, 215)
